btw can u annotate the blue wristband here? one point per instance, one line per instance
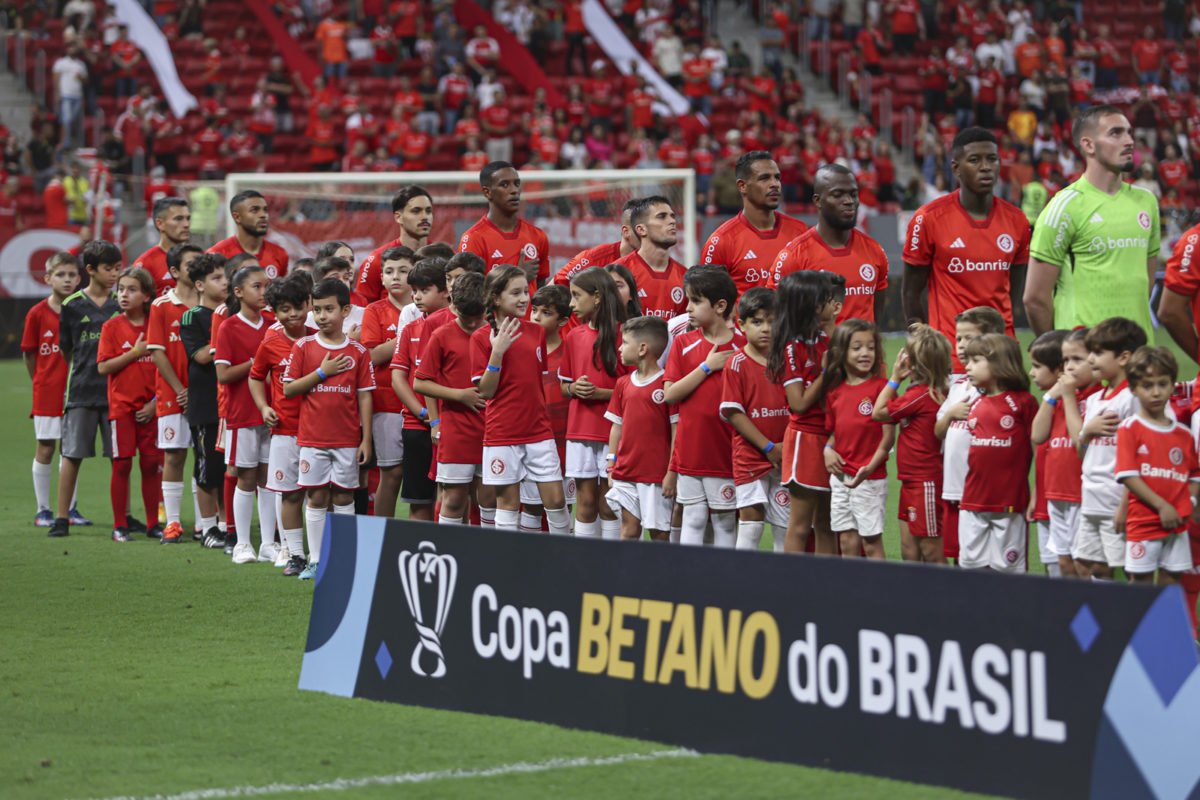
(435, 422)
(492, 368)
(768, 448)
(1051, 401)
(893, 385)
(321, 374)
(705, 368)
(424, 414)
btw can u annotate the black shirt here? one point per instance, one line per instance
(195, 329)
(79, 327)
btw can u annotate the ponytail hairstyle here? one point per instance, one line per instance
(610, 315)
(467, 295)
(494, 285)
(145, 282)
(929, 358)
(232, 303)
(839, 347)
(798, 303)
(1003, 355)
(634, 307)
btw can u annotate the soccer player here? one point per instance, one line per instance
(964, 246)
(748, 244)
(1094, 253)
(333, 374)
(81, 319)
(659, 277)
(173, 221)
(603, 254)
(835, 246)
(412, 208)
(253, 220)
(1181, 293)
(501, 236)
(48, 371)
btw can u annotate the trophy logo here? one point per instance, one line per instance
(440, 572)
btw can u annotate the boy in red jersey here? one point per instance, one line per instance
(333, 374)
(758, 411)
(172, 219)
(550, 307)
(703, 450)
(250, 214)
(501, 236)
(48, 371)
(659, 277)
(1156, 462)
(639, 463)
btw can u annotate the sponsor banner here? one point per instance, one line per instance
(1017, 686)
(23, 260)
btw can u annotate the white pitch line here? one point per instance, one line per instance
(344, 784)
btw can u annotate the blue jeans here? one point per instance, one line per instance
(69, 115)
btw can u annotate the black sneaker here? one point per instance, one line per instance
(60, 527)
(214, 539)
(121, 535)
(155, 533)
(230, 541)
(295, 566)
(135, 525)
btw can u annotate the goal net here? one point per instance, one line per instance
(577, 209)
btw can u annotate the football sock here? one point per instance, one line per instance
(243, 514)
(207, 523)
(41, 485)
(315, 522)
(559, 520)
(610, 528)
(1053, 570)
(267, 518)
(695, 520)
(749, 534)
(507, 519)
(151, 470)
(362, 498)
(587, 530)
(278, 515)
(724, 525)
(1190, 583)
(293, 540)
(196, 503)
(778, 533)
(530, 523)
(118, 490)
(230, 487)
(487, 517)
(346, 510)
(442, 520)
(676, 534)
(172, 499)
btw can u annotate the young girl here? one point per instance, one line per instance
(507, 359)
(925, 359)
(124, 358)
(857, 451)
(589, 371)
(1045, 368)
(991, 522)
(627, 288)
(247, 442)
(805, 302)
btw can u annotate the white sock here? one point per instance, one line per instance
(243, 514)
(293, 540)
(196, 502)
(207, 523)
(444, 520)
(223, 527)
(507, 520)
(267, 516)
(749, 534)
(74, 494)
(587, 530)
(346, 509)
(487, 517)
(724, 525)
(1053, 569)
(610, 528)
(279, 515)
(676, 534)
(172, 494)
(695, 520)
(41, 485)
(315, 522)
(530, 523)
(559, 520)
(778, 533)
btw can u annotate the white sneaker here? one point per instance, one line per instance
(281, 556)
(243, 553)
(268, 553)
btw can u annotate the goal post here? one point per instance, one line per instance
(577, 208)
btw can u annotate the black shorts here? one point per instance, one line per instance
(418, 488)
(210, 462)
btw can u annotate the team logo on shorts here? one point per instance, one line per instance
(866, 407)
(1011, 555)
(279, 474)
(912, 513)
(169, 434)
(497, 466)
(1176, 456)
(570, 487)
(658, 396)
(677, 294)
(1144, 220)
(1137, 550)
(782, 498)
(272, 271)
(867, 273)
(1005, 242)
(727, 492)
(304, 467)
(529, 251)
(1007, 422)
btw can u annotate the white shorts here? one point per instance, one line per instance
(321, 466)
(1043, 535)
(389, 447)
(1171, 553)
(1064, 521)
(174, 433)
(283, 472)
(644, 501)
(994, 539)
(719, 493)
(247, 447)
(587, 459)
(47, 428)
(458, 474)
(768, 492)
(859, 509)
(504, 465)
(531, 496)
(1099, 541)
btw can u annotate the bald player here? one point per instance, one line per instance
(412, 208)
(604, 254)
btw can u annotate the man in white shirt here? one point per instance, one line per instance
(70, 75)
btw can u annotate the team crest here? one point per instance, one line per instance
(659, 396)
(278, 474)
(1011, 555)
(497, 466)
(304, 467)
(866, 407)
(1176, 456)
(782, 498)
(272, 271)
(912, 514)
(1144, 220)
(1007, 422)
(867, 273)
(727, 492)
(677, 294)
(529, 251)
(570, 487)
(169, 434)
(1137, 550)
(1005, 243)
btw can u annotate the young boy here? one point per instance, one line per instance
(952, 418)
(1045, 370)
(550, 307)
(81, 319)
(1156, 462)
(333, 374)
(758, 411)
(170, 382)
(340, 269)
(702, 454)
(460, 264)
(639, 463)
(1098, 542)
(48, 371)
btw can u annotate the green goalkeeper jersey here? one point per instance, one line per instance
(1100, 243)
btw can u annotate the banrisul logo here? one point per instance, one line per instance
(431, 606)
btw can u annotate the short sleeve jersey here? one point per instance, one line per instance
(195, 329)
(640, 408)
(381, 323)
(746, 388)
(802, 366)
(133, 386)
(585, 418)
(237, 342)
(154, 261)
(957, 443)
(1064, 468)
(271, 361)
(862, 262)
(369, 283)
(918, 450)
(40, 338)
(1000, 453)
(748, 253)
(329, 411)
(526, 242)
(271, 257)
(1164, 457)
(703, 446)
(163, 329)
(1100, 243)
(1099, 495)
(80, 322)
(1183, 271)
(557, 407)
(599, 256)
(856, 436)
(516, 414)
(447, 362)
(660, 294)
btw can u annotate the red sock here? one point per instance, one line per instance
(474, 513)
(230, 487)
(1190, 583)
(151, 469)
(372, 486)
(118, 490)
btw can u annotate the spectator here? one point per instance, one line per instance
(885, 171)
(575, 32)
(573, 152)
(717, 59)
(69, 76)
(1178, 69)
(77, 189)
(1175, 18)
(428, 118)
(668, 56)
(79, 14)
(907, 25)
(263, 118)
(674, 152)
(819, 13)
(1058, 94)
(54, 200)
(1055, 49)
(1022, 123)
(853, 18)
(280, 84)
(1081, 88)
(1020, 19)
(125, 59)
(1028, 56)
(1033, 93)
(1084, 54)
(331, 36)
(961, 56)
(39, 155)
(1145, 180)
(988, 94)
(324, 141)
(739, 62)
(1146, 116)
(991, 48)
(207, 145)
(603, 92)
(454, 92)
(639, 110)
(384, 50)
(488, 90)
(773, 37)
(933, 80)
(11, 222)
(697, 73)
(764, 99)
(414, 147)
(871, 47)
(482, 51)
(1108, 59)
(497, 123)
(1147, 57)
(962, 101)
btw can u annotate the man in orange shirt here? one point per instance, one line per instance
(324, 142)
(331, 37)
(1028, 56)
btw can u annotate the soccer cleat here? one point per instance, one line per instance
(173, 533)
(295, 566)
(268, 552)
(155, 533)
(214, 539)
(230, 542)
(77, 518)
(44, 518)
(135, 525)
(121, 535)
(60, 527)
(282, 556)
(244, 553)
(310, 571)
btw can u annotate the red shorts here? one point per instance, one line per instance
(950, 528)
(804, 460)
(921, 507)
(130, 437)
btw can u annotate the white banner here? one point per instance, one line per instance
(620, 50)
(26, 253)
(149, 38)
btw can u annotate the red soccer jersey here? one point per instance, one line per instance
(407, 358)
(703, 446)
(1000, 452)
(918, 450)
(862, 262)
(1064, 468)
(856, 436)
(381, 323)
(599, 256)
(271, 257)
(370, 278)
(1164, 457)
(746, 388)
(154, 261)
(447, 362)
(237, 342)
(1183, 270)
(220, 313)
(162, 333)
(585, 418)
(516, 414)
(802, 365)
(969, 260)
(133, 386)
(329, 411)
(272, 359)
(40, 337)
(660, 294)
(644, 452)
(557, 406)
(526, 243)
(748, 253)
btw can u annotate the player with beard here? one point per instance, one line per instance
(748, 245)
(603, 254)
(835, 246)
(412, 208)
(1094, 253)
(659, 277)
(253, 220)
(501, 236)
(173, 221)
